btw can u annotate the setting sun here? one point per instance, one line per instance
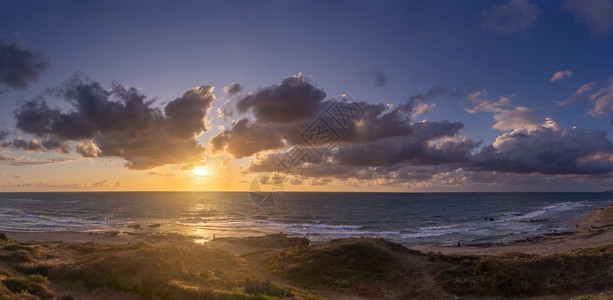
(202, 171)
(290, 150)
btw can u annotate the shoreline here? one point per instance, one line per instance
(589, 231)
(145, 265)
(592, 230)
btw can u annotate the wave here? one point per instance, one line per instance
(545, 210)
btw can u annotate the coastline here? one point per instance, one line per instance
(106, 264)
(594, 229)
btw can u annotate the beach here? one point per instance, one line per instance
(102, 264)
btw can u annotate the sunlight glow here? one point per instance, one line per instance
(202, 171)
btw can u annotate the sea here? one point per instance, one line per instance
(411, 219)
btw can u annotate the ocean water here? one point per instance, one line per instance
(410, 219)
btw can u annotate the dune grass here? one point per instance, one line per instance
(369, 267)
(173, 271)
(520, 274)
(341, 267)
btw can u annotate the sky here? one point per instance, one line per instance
(390, 96)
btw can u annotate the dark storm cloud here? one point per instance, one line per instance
(121, 123)
(3, 135)
(548, 151)
(516, 16)
(233, 89)
(19, 66)
(292, 100)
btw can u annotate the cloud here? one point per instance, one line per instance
(292, 100)
(422, 109)
(382, 137)
(596, 14)
(417, 148)
(379, 79)
(120, 123)
(580, 93)
(548, 150)
(21, 161)
(19, 66)
(233, 89)
(53, 143)
(559, 75)
(603, 100)
(384, 146)
(88, 149)
(273, 129)
(34, 145)
(29, 146)
(247, 138)
(519, 117)
(102, 183)
(516, 16)
(506, 116)
(160, 174)
(281, 112)
(50, 185)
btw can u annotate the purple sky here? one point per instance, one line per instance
(203, 95)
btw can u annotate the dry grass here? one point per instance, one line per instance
(378, 268)
(520, 274)
(368, 267)
(172, 271)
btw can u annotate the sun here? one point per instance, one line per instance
(202, 171)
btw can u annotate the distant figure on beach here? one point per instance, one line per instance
(213, 237)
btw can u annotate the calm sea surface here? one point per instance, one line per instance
(410, 219)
